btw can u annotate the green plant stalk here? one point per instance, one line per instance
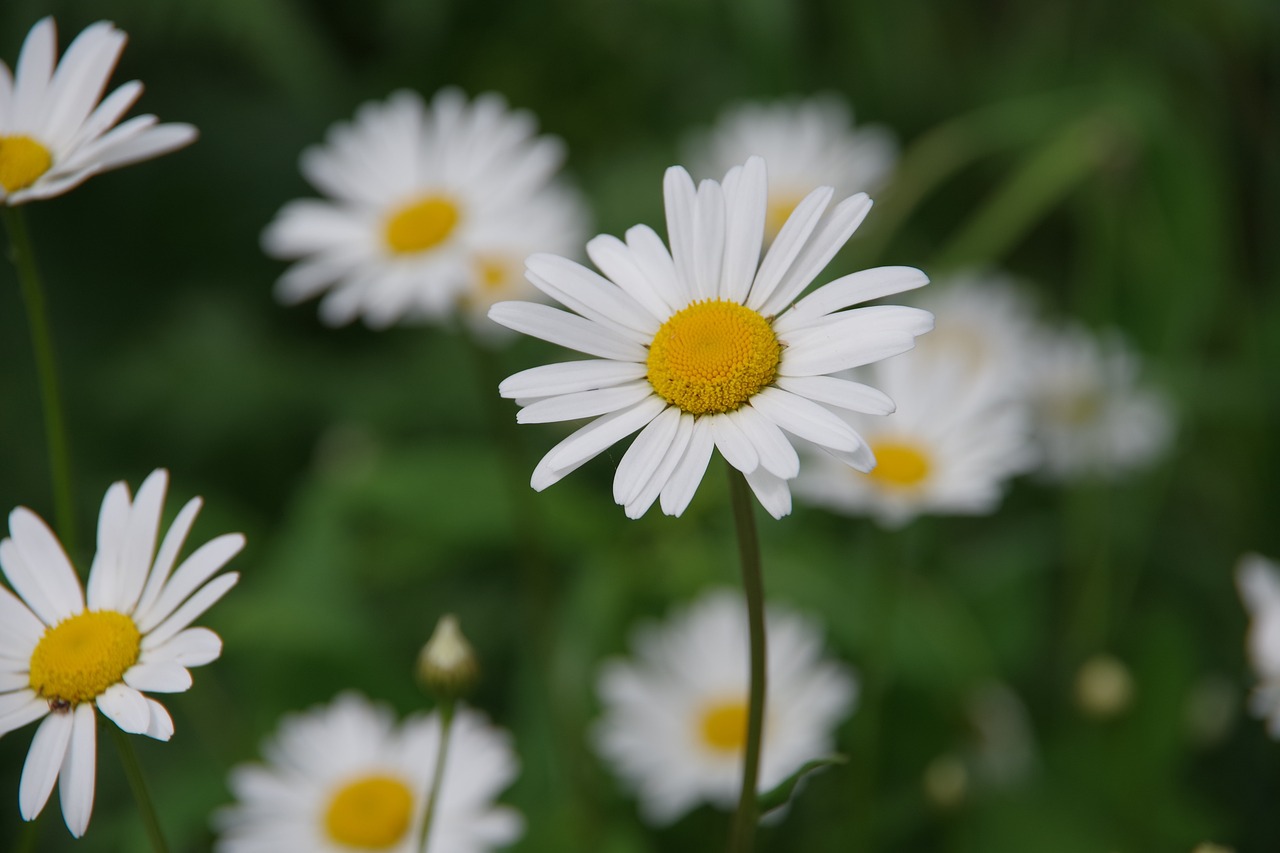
(133, 772)
(24, 261)
(437, 775)
(742, 833)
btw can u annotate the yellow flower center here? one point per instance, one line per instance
(371, 813)
(82, 656)
(712, 357)
(779, 211)
(724, 726)
(899, 464)
(421, 225)
(22, 161)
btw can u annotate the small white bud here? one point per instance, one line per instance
(447, 666)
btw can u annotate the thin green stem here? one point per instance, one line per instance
(437, 775)
(133, 771)
(742, 834)
(24, 260)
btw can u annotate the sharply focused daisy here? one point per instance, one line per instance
(64, 654)
(1092, 414)
(346, 776)
(807, 143)
(675, 717)
(54, 133)
(702, 348)
(947, 450)
(1259, 582)
(430, 209)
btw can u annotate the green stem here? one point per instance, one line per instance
(133, 771)
(742, 835)
(24, 260)
(437, 775)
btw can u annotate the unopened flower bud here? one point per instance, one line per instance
(447, 666)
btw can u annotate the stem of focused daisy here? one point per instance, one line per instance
(437, 775)
(133, 772)
(742, 834)
(24, 261)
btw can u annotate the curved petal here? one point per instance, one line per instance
(686, 477)
(615, 259)
(123, 705)
(19, 708)
(568, 377)
(787, 245)
(733, 443)
(652, 486)
(79, 767)
(192, 647)
(776, 453)
(140, 539)
(589, 441)
(590, 295)
(161, 725)
(841, 393)
(833, 352)
(818, 252)
(44, 760)
(708, 240)
(584, 404)
(196, 605)
(746, 200)
(653, 259)
(79, 80)
(20, 630)
(38, 568)
(195, 570)
(847, 291)
(169, 549)
(158, 677)
(567, 330)
(31, 79)
(771, 491)
(104, 573)
(680, 199)
(805, 418)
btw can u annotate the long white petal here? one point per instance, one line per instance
(680, 199)
(150, 143)
(140, 539)
(733, 443)
(777, 455)
(708, 240)
(616, 260)
(841, 393)
(787, 245)
(771, 491)
(104, 574)
(106, 114)
(569, 377)
(805, 418)
(686, 477)
(79, 769)
(589, 441)
(818, 252)
(191, 610)
(44, 760)
(195, 570)
(38, 569)
(653, 259)
(746, 202)
(644, 455)
(79, 80)
(31, 78)
(847, 291)
(123, 705)
(168, 554)
(20, 630)
(835, 352)
(567, 330)
(161, 725)
(18, 709)
(192, 647)
(591, 295)
(585, 404)
(160, 677)
(661, 473)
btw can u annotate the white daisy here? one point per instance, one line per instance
(1258, 580)
(54, 133)
(429, 209)
(701, 348)
(675, 718)
(946, 450)
(346, 776)
(806, 142)
(1093, 417)
(63, 654)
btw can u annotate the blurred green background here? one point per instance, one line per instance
(1124, 157)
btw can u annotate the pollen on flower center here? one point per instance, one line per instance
(22, 162)
(80, 657)
(712, 357)
(371, 813)
(724, 726)
(422, 224)
(899, 464)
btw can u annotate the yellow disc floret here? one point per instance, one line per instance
(712, 357)
(899, 464)
(80, 657)
(422, 224)
(724, 726)
(370, 813)
(22, 162)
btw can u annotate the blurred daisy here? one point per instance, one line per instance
(1092, 416)
(1258, 580)
(807, 143)
(63, 654)
(675, 717)
(946, 450)
(430, 208)
(54, 133)
(701, 348)
(346, 776)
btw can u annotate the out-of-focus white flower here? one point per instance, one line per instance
(675, 717)
(1258, 580)
(346, 776)
(808, 143)
(430, 211)
(54, 133)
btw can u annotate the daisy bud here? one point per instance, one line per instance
(447, 665)
(1104, 687)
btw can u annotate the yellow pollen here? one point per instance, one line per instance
(422, 224)
(371, 813)
(779, 211)
(712, 357)
(82, 656)
(899, 465)
(724, 726)
(22, 161)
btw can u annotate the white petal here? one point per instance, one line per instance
(104, 573)
(591, 295)
(746, 201)
(79, 768)
(79, 80)
(196, 605)
(159, 677)
(31, 79)
(195, 570)
(589, 441)
(680, 199)
(20, 630)
(733, 443)
(192, 647)
(653, 259)
(585, 404)
(140, 539)
(567, 330)
(615, 259)
(661, 473)
(123, 705)
(169, 549)
(161, 726)
(708, 240)
(834, 352)
(679, 490)
(151, 143)
(841, 393)
(18, 709)
(775, 452)
(850, 290)
(818, 251)
(805, 418)
(771, 491)
(569, 377)
(106, 113)
(860, 459)
(44, 760)
(38, 569)
(644, 455)
(787, 245)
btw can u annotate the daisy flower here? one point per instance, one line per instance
(1092, 415)
(346, 776)
(946, 450)
(702, 348)
(64, 654)
(430, 208)
(1258, 580)
(806, 142)
(54, 133)
(675, 717)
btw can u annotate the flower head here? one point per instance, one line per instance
(430, 209)
(447, 665)
(675, 717)
(701, 348)
(346, 776)
(65, 654)
(1258, 580)
(54, 133)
